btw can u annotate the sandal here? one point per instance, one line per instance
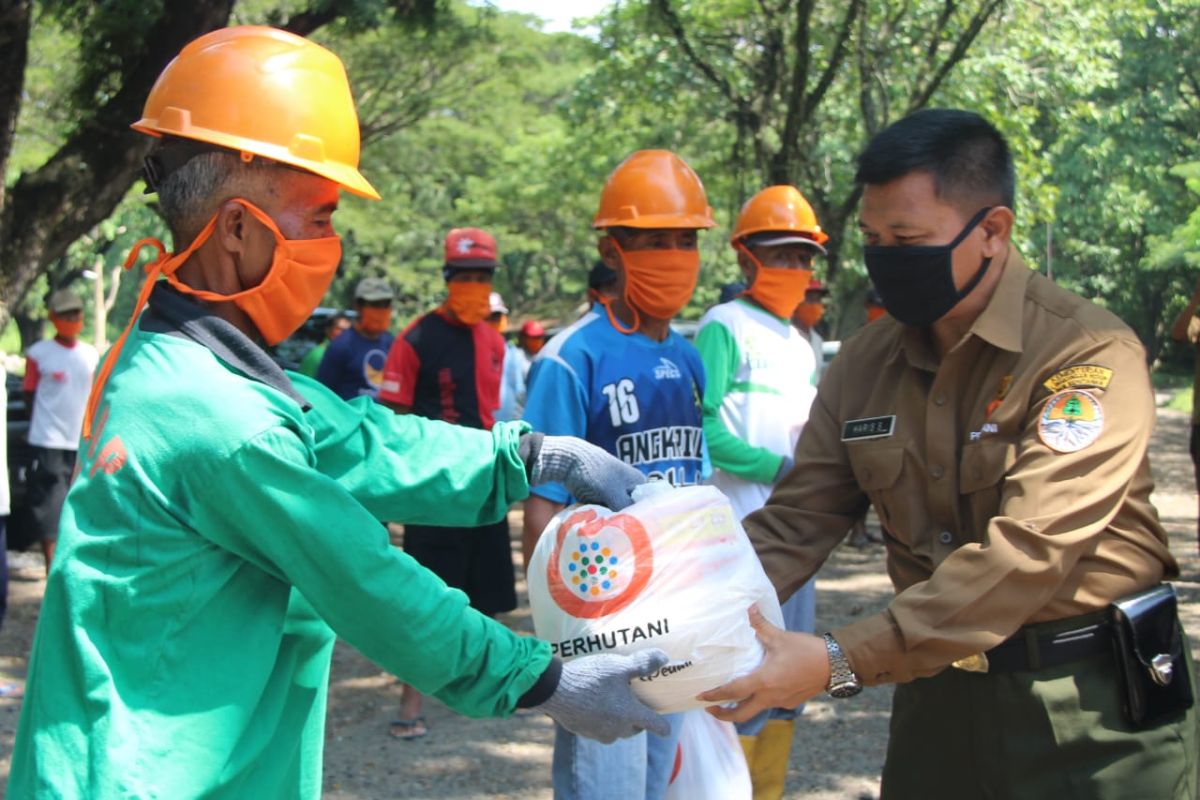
(408, 729)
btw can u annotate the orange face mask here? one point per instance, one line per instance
(658, 283)
(67, 329)
(534, 346)
(809, 313)
(300, 273)
(499, 324)
(875, 312)
(375, 320)
(777, 289)
(468, 300)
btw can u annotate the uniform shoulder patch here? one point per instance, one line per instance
(1079, 376)
(1071, 420)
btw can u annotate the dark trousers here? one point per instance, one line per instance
(476, 560)
(1049, 734)
(49, 480)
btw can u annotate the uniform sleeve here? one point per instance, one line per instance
(312, 361)
(812, 507)
(1053, 508)
(719, 355)
(556, 405)
(405, 468)
(400, 373)
(304, 527)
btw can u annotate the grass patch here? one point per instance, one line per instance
(1181, 400)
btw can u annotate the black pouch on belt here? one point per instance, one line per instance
(1148, 638)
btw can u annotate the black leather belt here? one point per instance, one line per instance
(1034, 647)
(1045, 644)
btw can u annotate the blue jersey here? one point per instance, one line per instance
(353, 364)
(638, 399)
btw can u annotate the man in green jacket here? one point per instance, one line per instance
(225, 520)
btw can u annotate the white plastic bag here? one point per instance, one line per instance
(709, 764)
(674, 570)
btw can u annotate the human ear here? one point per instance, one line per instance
(997, 228)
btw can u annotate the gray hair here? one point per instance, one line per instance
(189, 196)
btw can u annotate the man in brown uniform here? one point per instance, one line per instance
(999, 425)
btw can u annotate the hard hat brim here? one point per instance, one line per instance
(345, 176)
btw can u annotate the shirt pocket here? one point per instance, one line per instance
(981, 472)
(877, 470)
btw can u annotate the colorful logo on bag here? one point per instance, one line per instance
(1070, 421)
(599, 565)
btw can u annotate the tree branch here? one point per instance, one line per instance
(15, 23)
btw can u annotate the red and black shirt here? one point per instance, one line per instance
(443, 369)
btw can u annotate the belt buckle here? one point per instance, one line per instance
(975, 663)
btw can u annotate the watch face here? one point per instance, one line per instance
(848, 689)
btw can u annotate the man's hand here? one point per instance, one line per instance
(593, 697)
(795, 669)
(587, 472)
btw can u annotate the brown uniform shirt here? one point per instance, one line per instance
(987, 527)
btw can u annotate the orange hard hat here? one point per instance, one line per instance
(262, 92)
(779, 209)
(653, 189)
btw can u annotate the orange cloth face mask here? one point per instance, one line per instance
(657, 282)
(875, 312)
(777, 289)
(67, 329)
(469, 301)
(375, 320)
(300, 273)
(810, 313)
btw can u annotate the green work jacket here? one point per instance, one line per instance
(225, 518)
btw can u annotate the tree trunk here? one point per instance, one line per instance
(52, 206)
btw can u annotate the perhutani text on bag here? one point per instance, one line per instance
(610, 640)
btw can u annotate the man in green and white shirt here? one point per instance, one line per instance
(761, 380)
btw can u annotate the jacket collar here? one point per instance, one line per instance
(172, 313)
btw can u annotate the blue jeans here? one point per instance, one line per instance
(799, 614)
(637, 768)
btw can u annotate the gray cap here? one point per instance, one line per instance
(775, 238)
(64, 300)
(496, 304)
(371, 289)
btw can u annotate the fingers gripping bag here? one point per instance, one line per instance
(674, 571)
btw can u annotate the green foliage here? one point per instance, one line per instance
(477, 118)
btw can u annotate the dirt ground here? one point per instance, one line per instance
(837, 752)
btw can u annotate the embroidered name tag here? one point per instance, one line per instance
(869, 428)
(1079, 376)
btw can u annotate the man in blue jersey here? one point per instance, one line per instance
(620, 378)
(353, 362)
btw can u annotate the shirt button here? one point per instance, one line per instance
(936, 471)
(945, 537)
(940, 398)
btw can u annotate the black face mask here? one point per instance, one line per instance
(916, 283)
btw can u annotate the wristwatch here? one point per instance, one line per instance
(842, 680)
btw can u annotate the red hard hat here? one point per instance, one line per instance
(533, 329)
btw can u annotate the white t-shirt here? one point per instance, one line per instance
(772, 388)
(60, 378)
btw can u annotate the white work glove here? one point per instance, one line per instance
(587, 472)
(594, 699)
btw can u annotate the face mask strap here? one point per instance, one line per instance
(608, 302)
(971, 225)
